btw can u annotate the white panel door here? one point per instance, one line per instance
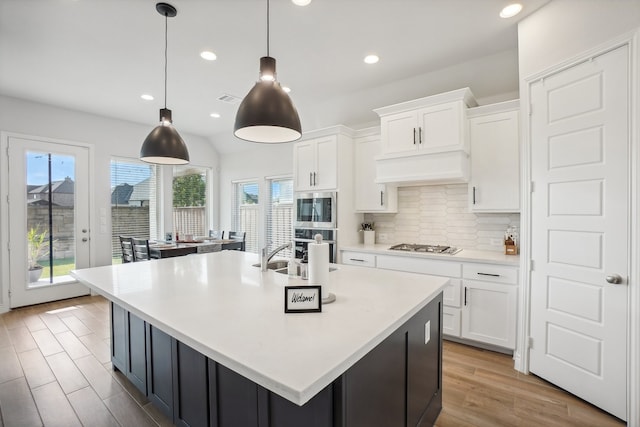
(580, 229)
(399, 132)
(326, 177)
(304, 164)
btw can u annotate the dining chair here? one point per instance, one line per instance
(238, 243)
(215, 234)
(127, 249)
(140, 249)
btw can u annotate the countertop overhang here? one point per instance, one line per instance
(230, 311)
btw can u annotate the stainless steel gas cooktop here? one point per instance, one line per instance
(436, 249)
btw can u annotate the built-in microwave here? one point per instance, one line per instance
(316, 210)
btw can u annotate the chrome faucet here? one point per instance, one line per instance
(265, 256)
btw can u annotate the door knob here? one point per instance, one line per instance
(84, 239)
(615, 279)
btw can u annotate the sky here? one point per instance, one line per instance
(38, 170)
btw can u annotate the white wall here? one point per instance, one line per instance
(108, 137)
(565, 28)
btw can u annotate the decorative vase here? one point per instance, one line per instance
(369, 237)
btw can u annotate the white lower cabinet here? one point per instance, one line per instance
(480, 301)
(489, 307)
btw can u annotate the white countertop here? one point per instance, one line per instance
(465, 255)
(230, 311)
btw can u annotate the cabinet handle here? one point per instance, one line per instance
(465, 295)
(356, 259)
(474, 195)
(314, 179)
(488, 274)
(381, 198)
(420, 134)
(310, 177)
(414, 136)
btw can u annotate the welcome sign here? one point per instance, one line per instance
(302, 299)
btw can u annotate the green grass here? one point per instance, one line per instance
(61, 267)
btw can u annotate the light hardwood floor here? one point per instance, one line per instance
(55, 370)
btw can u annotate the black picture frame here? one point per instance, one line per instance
(303, 306)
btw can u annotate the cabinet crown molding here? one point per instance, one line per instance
(463, 94)
(499, 107)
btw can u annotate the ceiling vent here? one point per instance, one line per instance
(230, 99)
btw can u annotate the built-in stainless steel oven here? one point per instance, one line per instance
(316, 210)
(304, 236)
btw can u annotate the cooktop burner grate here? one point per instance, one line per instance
(437, 249)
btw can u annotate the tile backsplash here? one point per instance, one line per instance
(439, 214)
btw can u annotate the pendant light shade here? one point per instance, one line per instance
(267, 113)
(164, 145)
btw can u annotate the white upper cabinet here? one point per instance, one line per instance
(370, 196)
(425, 140)
(316, 164)
(435, 123)
(494, 184)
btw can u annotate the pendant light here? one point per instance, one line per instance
(267, 114)
(164, 145)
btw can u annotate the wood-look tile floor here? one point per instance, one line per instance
(55, 370)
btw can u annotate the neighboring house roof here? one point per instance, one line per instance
(121, 194)
(65, 186)
(126, 194)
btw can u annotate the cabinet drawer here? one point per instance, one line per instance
(490, 273)
(451, 321)
(420, 265)
(451, 293)
(359, 258)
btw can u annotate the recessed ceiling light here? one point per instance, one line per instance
(208, 55)
(286, 89)
(146, 97)
(215, 115)
(301, 2)
(371, 59)
(511, 10)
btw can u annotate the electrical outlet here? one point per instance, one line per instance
(382, 237)
(496, 242)
(427, 332)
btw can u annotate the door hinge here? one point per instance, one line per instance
(530, 110)
(9, 293)
(531, 343)
(532, 187)
(532, 265)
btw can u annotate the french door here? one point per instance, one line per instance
(48, 219)
(580, 223)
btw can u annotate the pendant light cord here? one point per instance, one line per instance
(267, 27)
(166, 19)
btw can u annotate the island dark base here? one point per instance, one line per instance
(398, 383)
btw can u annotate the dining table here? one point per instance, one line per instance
(164, 249)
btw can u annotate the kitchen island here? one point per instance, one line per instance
(206, 338)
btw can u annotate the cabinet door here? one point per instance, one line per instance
(304, 164)
(495, 171)
(160, 370)
(326, 173)
(191, 386)
(119, 349)
(136, 340)
(399, 132)
(489, 313)
(440, 127)
(371, 197)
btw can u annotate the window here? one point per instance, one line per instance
(133, 202)
(245, 213)
(279, 214)
(190, 210)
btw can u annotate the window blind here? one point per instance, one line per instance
(245, 212)
(279, 214)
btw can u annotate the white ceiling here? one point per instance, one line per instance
(99, 56)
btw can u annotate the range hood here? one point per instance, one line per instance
(443, 167)
(424, 141)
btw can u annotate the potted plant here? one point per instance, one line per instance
(38, 248)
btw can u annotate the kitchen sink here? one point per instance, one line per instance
(281, 267)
